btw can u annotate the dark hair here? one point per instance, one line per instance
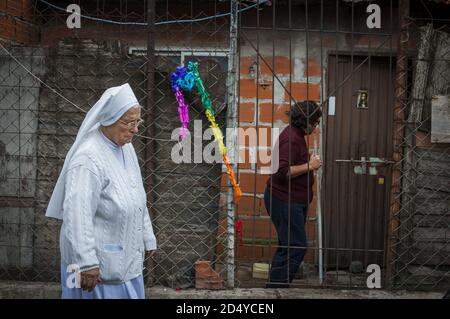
(305, 112)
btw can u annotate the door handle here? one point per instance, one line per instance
(372, 162)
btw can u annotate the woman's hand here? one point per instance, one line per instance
(150, 253)
(315, 162)
(89, 279)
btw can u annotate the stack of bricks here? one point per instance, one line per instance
(264, 106)
(16, 21)
(206, 277)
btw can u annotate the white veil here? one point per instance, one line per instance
(114, 102)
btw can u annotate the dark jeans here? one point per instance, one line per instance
(291, 251)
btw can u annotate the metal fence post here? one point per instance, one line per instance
(401, 78)
(149, 116)
(231, 119)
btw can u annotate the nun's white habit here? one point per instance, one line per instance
(101, 200)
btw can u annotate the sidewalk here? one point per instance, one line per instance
(39, 290)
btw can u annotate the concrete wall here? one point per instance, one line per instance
(19, 100)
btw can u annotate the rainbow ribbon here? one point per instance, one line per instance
(182, 79)
(183, 113)
(209, 112)
(185, 79)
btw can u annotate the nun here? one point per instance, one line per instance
(106, 231)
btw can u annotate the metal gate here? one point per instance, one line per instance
(380, 72)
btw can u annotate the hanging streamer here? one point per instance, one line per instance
(183, 113)
(204, 96)
(236, 188)
(185, 79)
(182, 79)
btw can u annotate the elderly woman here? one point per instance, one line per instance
(289, 192)
(101, 200)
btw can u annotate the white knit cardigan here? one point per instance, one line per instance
(105, 217)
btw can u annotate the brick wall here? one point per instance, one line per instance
(16, 21)
(288, 67)
(264, 106)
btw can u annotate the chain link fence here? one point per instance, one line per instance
(421, 231)
(46, 89)
(40, 122)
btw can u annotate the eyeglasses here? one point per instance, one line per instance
(131, 125)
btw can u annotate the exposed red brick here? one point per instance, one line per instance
(206, 277)
(262, 158)
(265, 91)
(251, 205)
(312, 68)
(268, 253)
(309, 257)
(312, 207)
(302, 91)
(14, 8)
(247, 182)
(279, 112)
(12, 26)
(313, 138)
(223, 181)
(244, 64)
(244, 161)
(247, 89)
(28, 8)
(282, 66)
(258, 228)
(220, 248)
(311, 230)
(6, 27)
(248, 253)
(252, 136)
(246, 112)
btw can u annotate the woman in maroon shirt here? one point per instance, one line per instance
(289, 192)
